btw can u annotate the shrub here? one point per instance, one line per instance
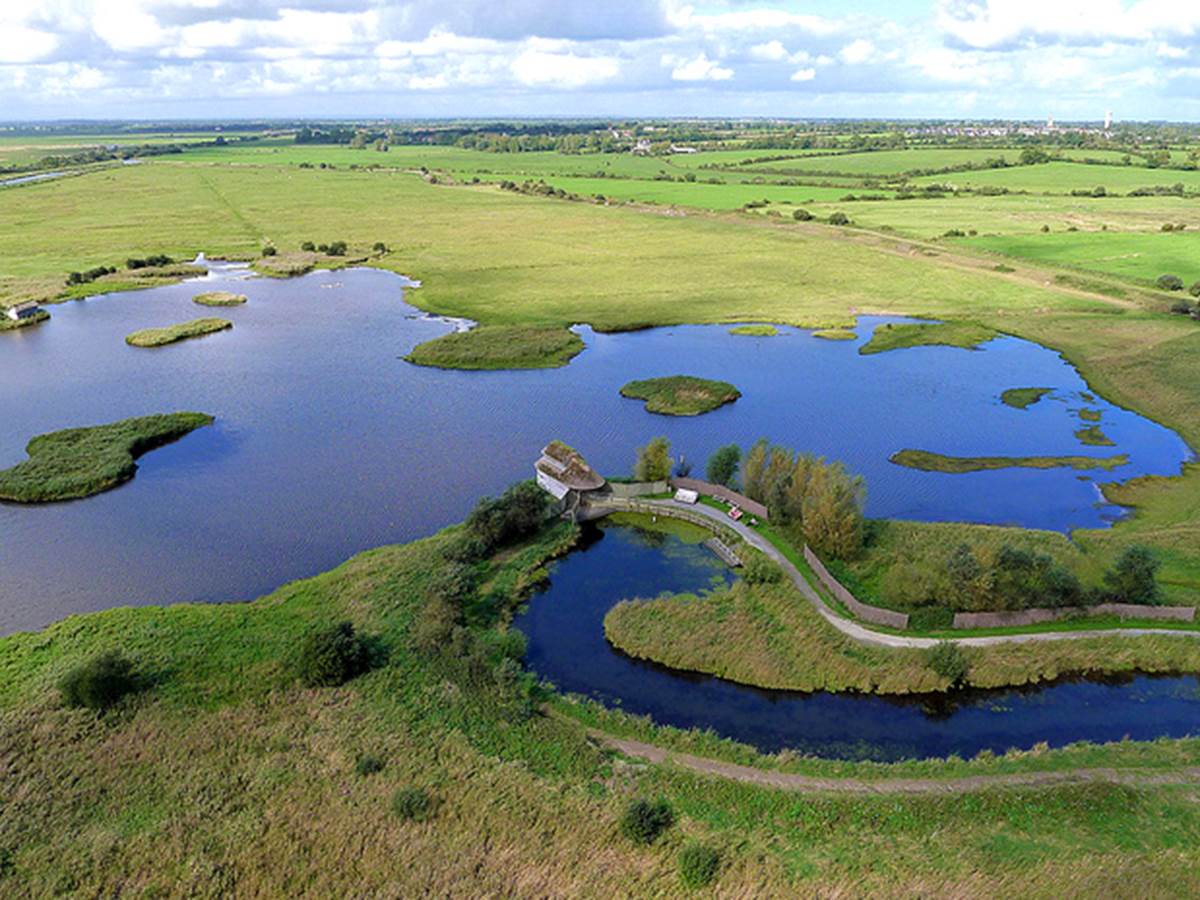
(1045, 229)
(802, 215)
(367, 764)
(337, 248)
(947, 660)
(1169, 283)
(1131, 579)
(1167, 226)
(412, 804)
(518, 512)
(308, 245)
(644, 821)
(1194, 290)
(1181, 307)
(379, 247)
(698, 865)
(332, 656)
(758, 569)
(98, 683)
(839, 218)
(955, 233)
(931, 618)
(269, 250)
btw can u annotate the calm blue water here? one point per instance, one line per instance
(328, 443)
(566, 645)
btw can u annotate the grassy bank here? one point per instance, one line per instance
(499, 347)
(835, 334)
(754, 330)
(159, 337)
(219, 298)
(681, 395)
(936, 462)
(80, 462)
(940, 334)
(223, 775)
(7, 324)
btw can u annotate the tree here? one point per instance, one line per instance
(1169, 283)
(832, 512)
(839, 218)
(776, 477)
(98, 683)
(802, 215)
(754, 469)
(1131, 579)
(948, 661)
(792, 508)
(1194, 290)
(653, 461)
(969, 585)
(723, 465)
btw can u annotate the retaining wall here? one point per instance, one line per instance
(638, 489)
(722, 493)
(1024, 617)
(873, 614)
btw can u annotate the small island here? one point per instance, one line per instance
(1092, 436)
(936, 462)
(80, 462)
(499, 347)
(219, 298)
(158, 337)
(1023, 398)
(932, 334)
(835, 334)
(681, 395)
(755, 330)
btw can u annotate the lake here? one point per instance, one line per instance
(564, 626)
(328, 443)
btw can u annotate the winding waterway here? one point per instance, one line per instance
(564, 627)
(327, 442)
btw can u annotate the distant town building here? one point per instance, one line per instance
(26, 310)
(1108, 121)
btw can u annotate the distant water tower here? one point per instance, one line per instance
(1108, 120)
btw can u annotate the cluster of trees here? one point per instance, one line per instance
(515, 514)
(1014, 578)
(90, 274)
(334, 248)
(148, 262)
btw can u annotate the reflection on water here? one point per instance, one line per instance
(566, 645)
(327, 442)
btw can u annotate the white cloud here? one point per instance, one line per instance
(772, 51)
(701, 68)
(857, 52)
(535, 67)
(804, 74)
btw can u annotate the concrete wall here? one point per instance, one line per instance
(723, 493)
(873, 614)
(638, 489)
(1026, 617)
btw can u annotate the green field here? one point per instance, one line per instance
(893, 162)
(1135, 256)
(698, 194)
(1064, 177)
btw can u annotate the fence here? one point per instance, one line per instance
(722, 493)
(726, 536)
(872, 614)
(1025, 617)
(622, 489)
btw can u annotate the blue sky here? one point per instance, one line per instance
(1073, 59)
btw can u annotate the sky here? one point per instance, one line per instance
(1026, 59)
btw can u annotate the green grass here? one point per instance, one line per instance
(1064, 177)
(755, 330)
(936, 462)
(159, 337)
(499, 347)
(948, 334)
(681, 395)
(890, 162)
(835, 334)
(219, 298)
(80, 462)
(1137, 256)
(1023, 398)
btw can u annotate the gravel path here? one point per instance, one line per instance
(788, 781)
(868, 636)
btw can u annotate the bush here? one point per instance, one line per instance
(644, 821)
(269, 250)
(337, 248)
(802, 215)
(698, 865)
(99, 683)
(1131, 579)
(308, 245)
(653, 461)
(1194, 290)
(1181, 307)
(1169, 283)
(723, 465)
(1045, 229)
(948, 661)
(758, 569)
(839, 218)
(332, 656)
(931, 618)
(367, 764)
(379, 247)
(517, 513)
(412, 804)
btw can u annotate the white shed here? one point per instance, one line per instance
(683, 495)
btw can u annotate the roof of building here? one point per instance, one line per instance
(565, 465)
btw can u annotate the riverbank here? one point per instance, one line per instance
(171, 334)
(223, 725)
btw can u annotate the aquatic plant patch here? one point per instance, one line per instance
(681, 395)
